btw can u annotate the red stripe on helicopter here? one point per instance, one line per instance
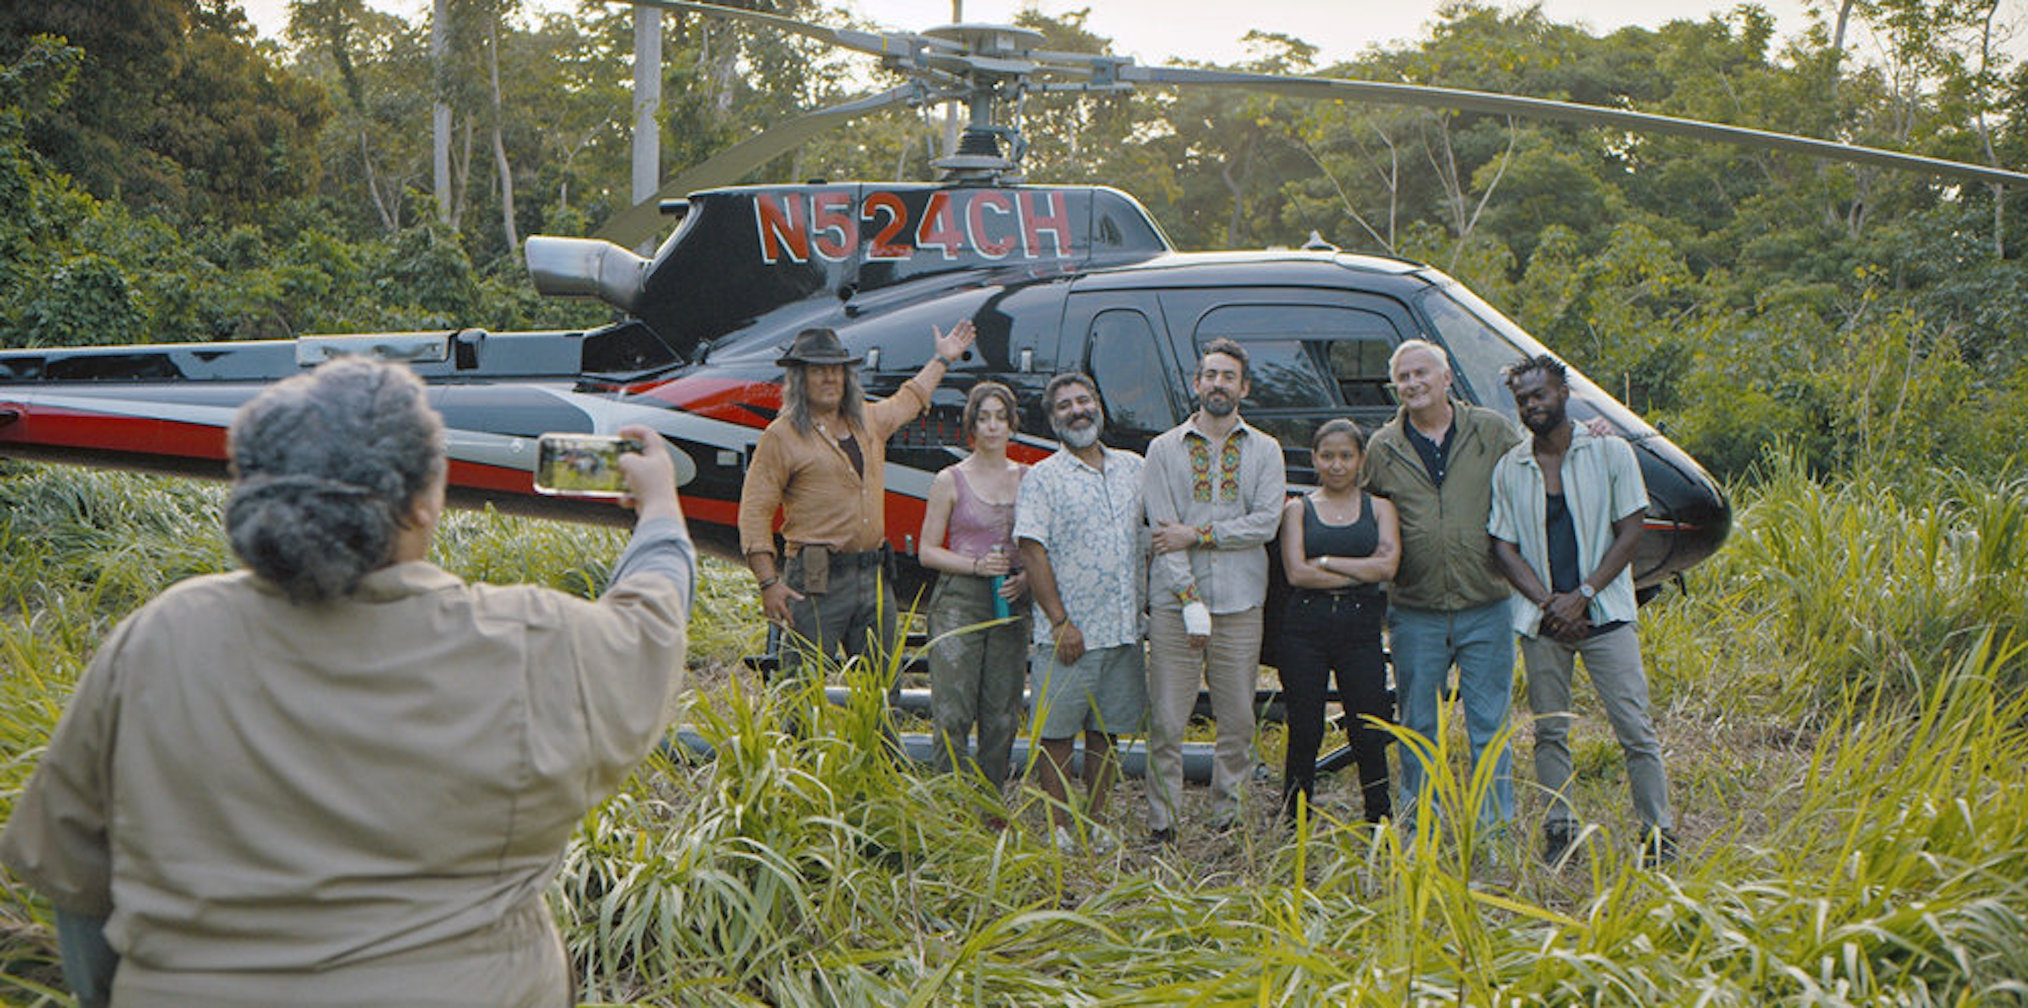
(484, 476)
(728, 399)
(1668, 525)
(64, 427)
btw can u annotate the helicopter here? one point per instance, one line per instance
(1055, 278)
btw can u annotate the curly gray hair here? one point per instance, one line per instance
(324, 466)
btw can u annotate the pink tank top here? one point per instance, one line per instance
(977, 525)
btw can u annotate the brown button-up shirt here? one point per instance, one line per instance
(825, 501)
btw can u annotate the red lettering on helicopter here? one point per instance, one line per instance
(939, 230)
(989, 224)
(782, 227)
(883, 245)
(975, 220)
(831, 214)
(1051, 218)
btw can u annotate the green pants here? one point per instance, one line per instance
(856, 615)
(976, 675)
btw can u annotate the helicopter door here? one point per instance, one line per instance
(1132, 368)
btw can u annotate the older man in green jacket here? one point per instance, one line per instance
(1435, 461)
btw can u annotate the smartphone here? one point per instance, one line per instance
(582, 465)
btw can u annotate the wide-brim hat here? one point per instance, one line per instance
(817, 346)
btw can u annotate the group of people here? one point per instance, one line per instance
(343, 776)
(1124, 585)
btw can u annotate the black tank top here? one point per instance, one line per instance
(1358, 539)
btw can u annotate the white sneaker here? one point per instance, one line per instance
(1065, 841)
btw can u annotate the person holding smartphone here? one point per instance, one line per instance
(341, 776)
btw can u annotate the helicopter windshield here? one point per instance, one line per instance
(1482, 341)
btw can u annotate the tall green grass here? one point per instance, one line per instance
(1870, 585)
(1841, 692)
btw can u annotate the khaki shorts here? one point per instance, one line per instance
(1104, 691)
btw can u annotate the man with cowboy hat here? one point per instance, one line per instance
(821, 464)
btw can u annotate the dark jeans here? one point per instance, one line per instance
(1323, 634)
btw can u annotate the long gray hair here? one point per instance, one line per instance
(325, 465)
(796, 399)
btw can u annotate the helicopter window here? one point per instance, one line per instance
(1302, 352)
(1478, 350)
(1126, 365)
(1360, 365)
(1285, 376)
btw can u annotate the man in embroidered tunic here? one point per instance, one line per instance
(822, 464)
(1213, 489)
(1567, 513)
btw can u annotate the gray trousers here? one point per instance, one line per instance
(1613, 661)
(976, 675)
(1229, 666)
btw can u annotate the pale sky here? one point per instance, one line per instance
(1153, 31)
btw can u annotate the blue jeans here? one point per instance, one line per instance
(1425, 644)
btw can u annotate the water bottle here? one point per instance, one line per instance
(1000, 610)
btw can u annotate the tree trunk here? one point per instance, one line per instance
(1238, 188)
(1986, 133)
(507, 226)
(390, 217)
(461, 176)
(440, 111)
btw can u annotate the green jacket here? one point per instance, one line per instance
(1446, 555)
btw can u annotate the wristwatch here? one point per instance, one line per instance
(1587, 591)
(770, 581)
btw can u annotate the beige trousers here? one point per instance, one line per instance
(1230, 666)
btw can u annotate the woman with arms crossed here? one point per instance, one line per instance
(1339, 544)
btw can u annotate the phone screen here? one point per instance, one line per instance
(581, 465)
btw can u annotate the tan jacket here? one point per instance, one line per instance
(824, 501)
(354, 803)
(1446, 554)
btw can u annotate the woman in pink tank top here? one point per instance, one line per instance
(977, 665)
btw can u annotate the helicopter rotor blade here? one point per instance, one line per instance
(1376, 92)
(891, 45)
(642, 221)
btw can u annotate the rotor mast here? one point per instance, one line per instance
(989, 68)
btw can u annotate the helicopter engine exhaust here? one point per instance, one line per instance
(586, 267)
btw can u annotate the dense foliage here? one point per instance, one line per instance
(166, 176)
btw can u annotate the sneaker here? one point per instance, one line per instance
(1557, 838)
(1066, 842)
(1224, 820)
(1658, 847)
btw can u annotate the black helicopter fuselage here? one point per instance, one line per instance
(1054, 278)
